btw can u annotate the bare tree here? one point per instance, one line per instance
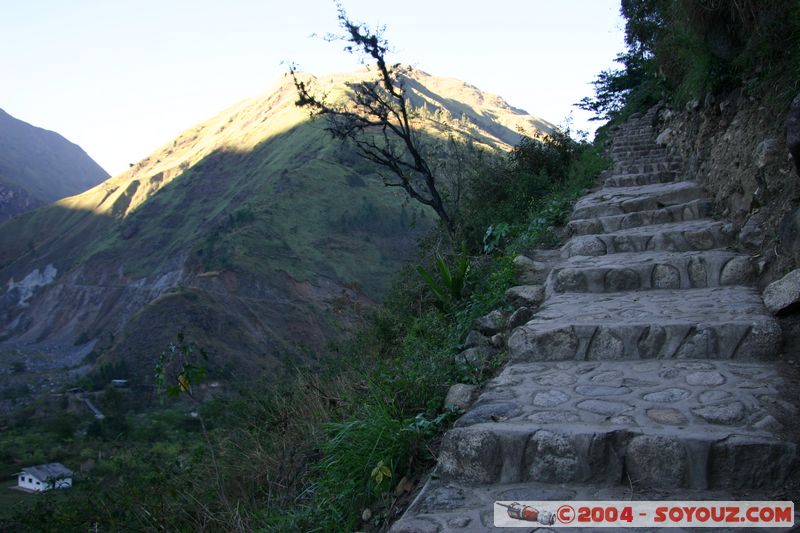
(376, 118)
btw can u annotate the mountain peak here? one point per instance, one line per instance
(253, 231)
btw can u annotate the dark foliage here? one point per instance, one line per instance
(376, 119)
(503, 194)
(683, 49)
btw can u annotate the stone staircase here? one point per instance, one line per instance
(648, 372)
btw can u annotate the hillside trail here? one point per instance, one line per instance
(650, 370)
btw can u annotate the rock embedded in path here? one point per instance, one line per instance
(459, 396)
(725, 414)
(751, 236)
(498, 340)
(670, 395)
(657, 461)
(603, 407)
(714, 396)
(764, 152)
(664, 137)
(492, 323)
(519, 317)
(705, 378)
(474, 339)
(525, 295)
(475, 356)
(670, 417)
(470, 455)
(530, 272)
(781, 295)
(549, 398)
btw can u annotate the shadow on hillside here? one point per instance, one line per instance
(261, 255)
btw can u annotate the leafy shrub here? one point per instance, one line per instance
(684, 49)
(312, 453)
(503, 194)
(453, 281)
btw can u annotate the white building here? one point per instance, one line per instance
(45, 477)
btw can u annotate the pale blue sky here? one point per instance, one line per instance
(121, 77)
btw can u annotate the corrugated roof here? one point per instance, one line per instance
(48, 471)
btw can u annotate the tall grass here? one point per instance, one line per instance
(356, 431)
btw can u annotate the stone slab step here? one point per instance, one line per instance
(715, 323)
(637, 168)
(453, 507)
(631, 153)
(658, 163)
(643, 155)
(694, 210)
(633, 157)
(634, 141)
(633, 180)
(646, 144)
(644, 147)
(622, 200)
(641, 145)
(651, 271)
(663, 424)
(705, 234)
(644, 131)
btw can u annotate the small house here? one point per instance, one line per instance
(45, 477)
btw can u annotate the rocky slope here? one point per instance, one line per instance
(253, 232)
(735, 146)
(38, 166)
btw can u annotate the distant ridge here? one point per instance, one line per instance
(253, 232)
(39, 166)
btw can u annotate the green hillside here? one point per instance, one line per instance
(254, 231)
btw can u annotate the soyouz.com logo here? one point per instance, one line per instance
(713, 514)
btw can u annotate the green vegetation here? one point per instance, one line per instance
(453, 282)
(686, 49)
(261, 226)
(354, 431)
(377, 118)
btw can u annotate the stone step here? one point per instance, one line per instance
(634, 158)
(689, 424)
(652, 271)
(632, 137)
(628, 165)
(666, 163)
(641, 158)
(638, 168)
(632, 180)
(694, 210)
(715, 323)
(621, 200)
(635, 130)
(642, 145)
(621, 165)
(704, 234)
(459, 507)
(643, 151)
(636, 144)
(641, 136)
